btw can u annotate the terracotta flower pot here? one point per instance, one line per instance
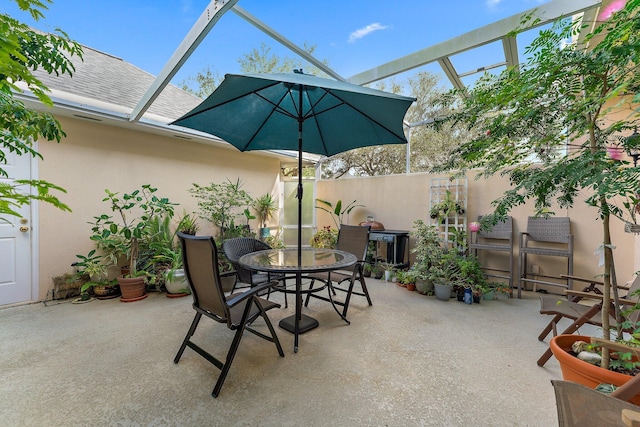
(133, 289)
(576, 370)
(411, 286)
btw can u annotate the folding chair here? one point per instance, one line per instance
(574, 309)
(238, 311)
(353, 239)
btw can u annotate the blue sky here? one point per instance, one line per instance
(353, 35)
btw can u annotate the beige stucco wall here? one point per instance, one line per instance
(95, 156)
(398, 200)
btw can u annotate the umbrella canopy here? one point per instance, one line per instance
(266, 111)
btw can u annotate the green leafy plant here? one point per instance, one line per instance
(446, 270)
(446, 208)
(427, 247)
(188, 224)
(23, 51)
(325, 238)
(546, 124)
(91, 265)
(337, 213)
(275, 240)
(265, 207)
(222, 204)
(124, 233)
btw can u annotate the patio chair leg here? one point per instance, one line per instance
(570, 330)
(190, 333)
(274, 336)
(232, 351)
(550, 327)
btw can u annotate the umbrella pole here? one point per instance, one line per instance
(299, 196)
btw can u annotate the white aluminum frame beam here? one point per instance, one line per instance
(197, 34)
(496, 31)
(285, 42)
(192, 40)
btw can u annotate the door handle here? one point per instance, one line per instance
(24, 229)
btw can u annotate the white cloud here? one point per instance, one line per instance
(358, 34)
(492, 3)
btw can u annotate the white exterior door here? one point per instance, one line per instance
(15, 241)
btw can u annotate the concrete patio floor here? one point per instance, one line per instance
(409, 360)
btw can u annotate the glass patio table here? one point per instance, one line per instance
(312, 260)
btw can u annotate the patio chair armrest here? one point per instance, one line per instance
(238, 298)
(581, 279)
(582, 294)
(628, 301)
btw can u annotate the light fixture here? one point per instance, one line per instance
(633, 143)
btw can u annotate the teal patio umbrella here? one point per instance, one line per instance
(299, 112)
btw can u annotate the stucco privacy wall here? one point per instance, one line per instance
(96, 156)
(398, 200)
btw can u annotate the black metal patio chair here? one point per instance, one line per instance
(238, 311)
(353, 239)
(237, 247)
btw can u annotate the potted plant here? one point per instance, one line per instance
(400, 277)
(427, 248)
(367, 269)
(275, 240)
(562, 108)
(444, 273)
(446, 208)
(265, 207)
(175, 279)
(188, 224)
(222, 204)
(128, 233)
(378, 271)
(93, 267)
(389, 270)
(407, 279)
(567, 348)
(327, 237)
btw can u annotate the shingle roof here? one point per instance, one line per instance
(111, 80)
